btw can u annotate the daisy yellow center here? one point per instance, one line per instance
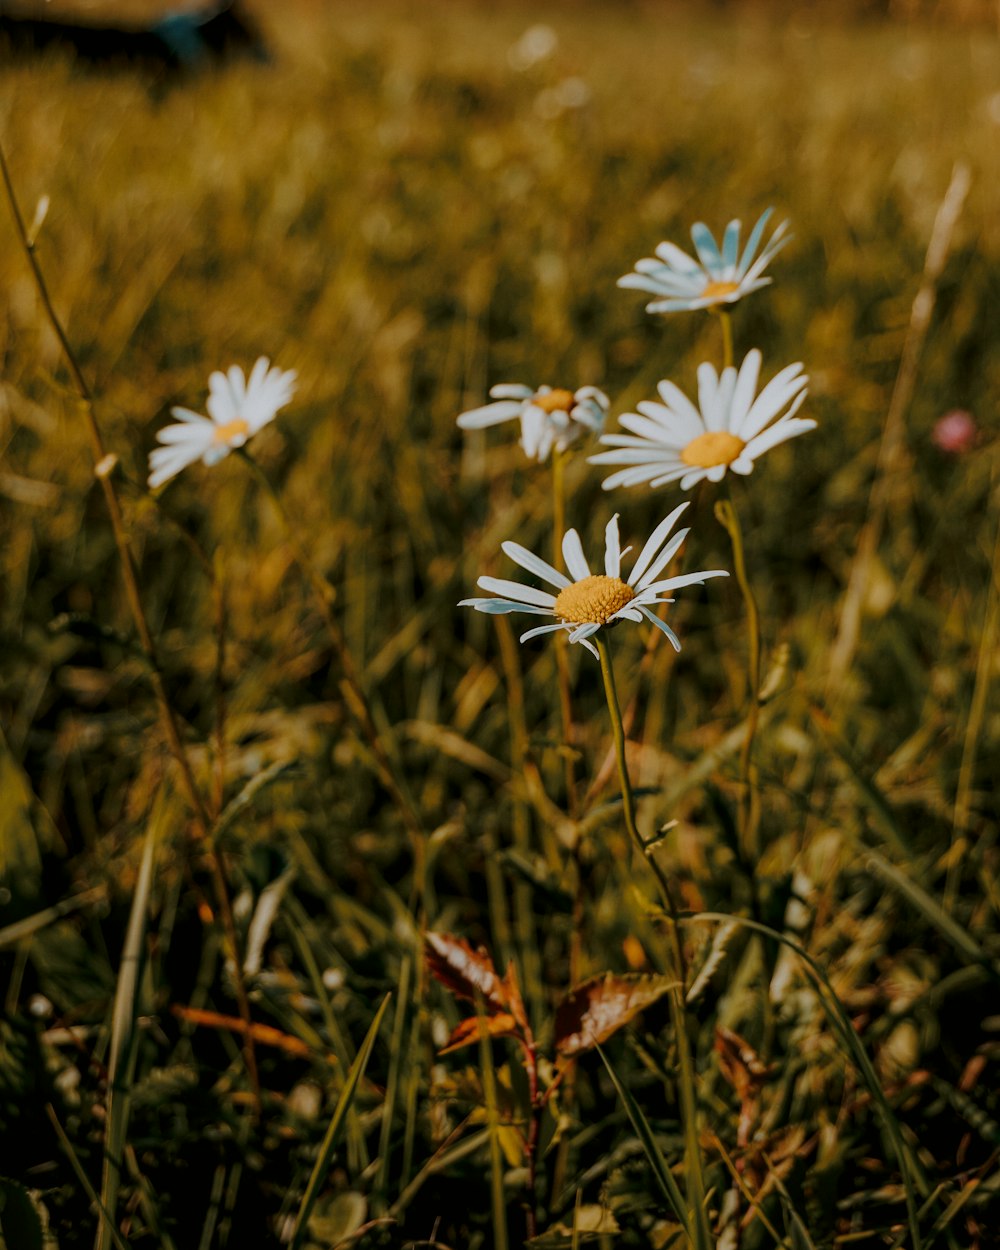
(232, 429)
(557, 400)
(719, 290)
(712, 448)
(594, 600)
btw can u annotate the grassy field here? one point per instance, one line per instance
(405, 214)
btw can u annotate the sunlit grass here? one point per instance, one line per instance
(394, 212)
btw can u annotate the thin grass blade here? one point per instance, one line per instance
(121, 1061)
(661, 1172)
(330, 1140)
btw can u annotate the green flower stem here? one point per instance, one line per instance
(352, 690)
(749, 810)
(678, 1015)
(559, 459)
(562, 657)
(726, 321)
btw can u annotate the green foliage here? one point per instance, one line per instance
(395, 211)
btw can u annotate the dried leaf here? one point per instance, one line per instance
(466, 1033)
(601, 1006)
(263, 1034)
(467, 973)
(587, 1223)
(739, 1062)
(513, 992)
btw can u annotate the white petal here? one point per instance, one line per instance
(708, 392)
(690, 479)
(195, 435)
(185, 414)
(650, 428)
(672, 255)
(677, 471)
(680, 406)
(788, 386)
(631, 477)
(632, 454)
(542, 629)
(576, 561)
(653, 544)
(511, 390)
(587, 630)
(663, 627)
(535, 564)
(612, 548)
(785, 429)
(661, 561)
(684, 579)
(514, 590)
(501, 607)
(489, 414)
(746, 388)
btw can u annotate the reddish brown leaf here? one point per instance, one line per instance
(467, 1032)
(514, 999)
(599, 1007)
(739, 1062)
(466, 972)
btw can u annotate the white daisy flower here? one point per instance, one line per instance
(550, 416)
(591, 601)
(733, 429)
(718, 276)
(237, 408)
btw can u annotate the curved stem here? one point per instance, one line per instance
(678, 1015)
(104, 467)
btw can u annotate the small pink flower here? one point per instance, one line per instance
(956, 432)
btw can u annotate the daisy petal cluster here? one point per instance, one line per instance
(550, 416)
(731, 427)
(720, 274)
(237, 408)
(588, 602)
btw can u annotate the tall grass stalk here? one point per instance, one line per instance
(891, 446)
(344, 1102)
(914, 1183)
(121, 1060)
(104, 1215)
(104, 468)
(497, 1199)
(974, 725)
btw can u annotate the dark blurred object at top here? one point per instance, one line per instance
(172, 32)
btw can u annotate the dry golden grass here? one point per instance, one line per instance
(392, 210)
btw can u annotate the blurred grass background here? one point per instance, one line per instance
(396, 210)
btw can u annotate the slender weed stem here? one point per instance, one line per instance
(686, 1083)
(974, 724)
(749, 810)
(524, 905)
(104, 467)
